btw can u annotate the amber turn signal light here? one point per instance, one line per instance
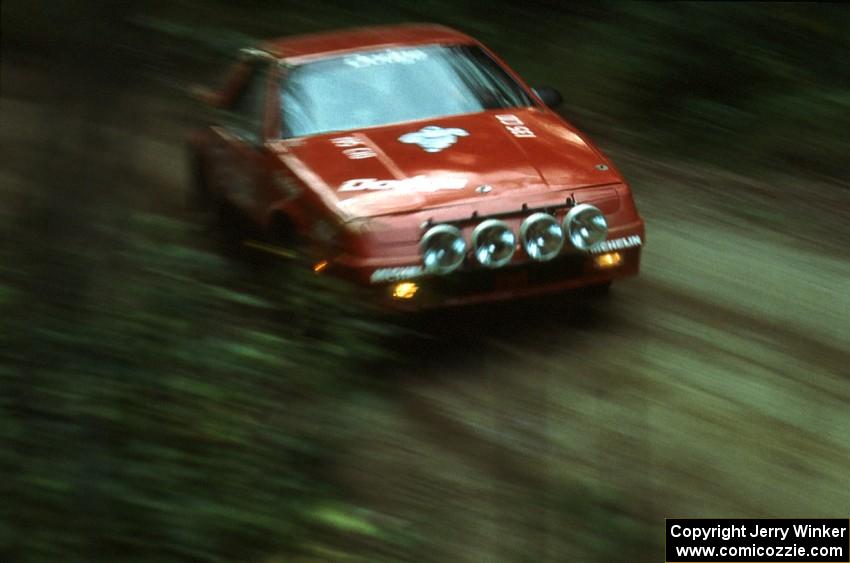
(405, 290)
(608, 260)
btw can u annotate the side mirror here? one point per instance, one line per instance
(550, 96)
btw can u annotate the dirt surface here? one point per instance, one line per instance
(716, 384)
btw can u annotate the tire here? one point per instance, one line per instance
(281, 232)
(283, 235)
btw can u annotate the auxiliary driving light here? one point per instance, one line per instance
(542, 236)
(585, 226)
(405, 290)
(494, 243)
(608, 260)
(443, 249)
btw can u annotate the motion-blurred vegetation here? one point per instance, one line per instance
(179, 412)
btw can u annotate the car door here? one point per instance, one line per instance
(239, 151)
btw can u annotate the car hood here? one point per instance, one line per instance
(415, 165)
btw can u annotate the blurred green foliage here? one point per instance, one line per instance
(740, 84)
(185, 412)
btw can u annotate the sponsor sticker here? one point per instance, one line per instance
(420, 183)
(616, 244)
(388, 57)
(396, 274)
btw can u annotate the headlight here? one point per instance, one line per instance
(494, 243)
(443, 249)
(585, 225)
(542, 236)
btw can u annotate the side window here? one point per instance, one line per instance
(247, 111)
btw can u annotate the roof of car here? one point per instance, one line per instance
(321, 44)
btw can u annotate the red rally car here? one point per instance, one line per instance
(411, 160)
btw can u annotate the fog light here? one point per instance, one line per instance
(494, 243)
(585, 226)
(405, 290)
(443, 249)
(608, 260)
(542, 236)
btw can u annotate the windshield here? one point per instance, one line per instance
(394, 85)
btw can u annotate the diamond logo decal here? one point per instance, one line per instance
(433, 138)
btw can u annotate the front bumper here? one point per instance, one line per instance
(473, 284)
(513, 282)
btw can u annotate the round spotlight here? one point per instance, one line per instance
(494, 243)
(585, 226)
(542, 236)
(443, 249)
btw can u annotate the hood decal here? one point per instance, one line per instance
(433, 138)
(420, 183)
(515, 126)
(404, 177)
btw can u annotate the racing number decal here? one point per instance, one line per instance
(515, 126)
(355, 149)
(357, 153)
